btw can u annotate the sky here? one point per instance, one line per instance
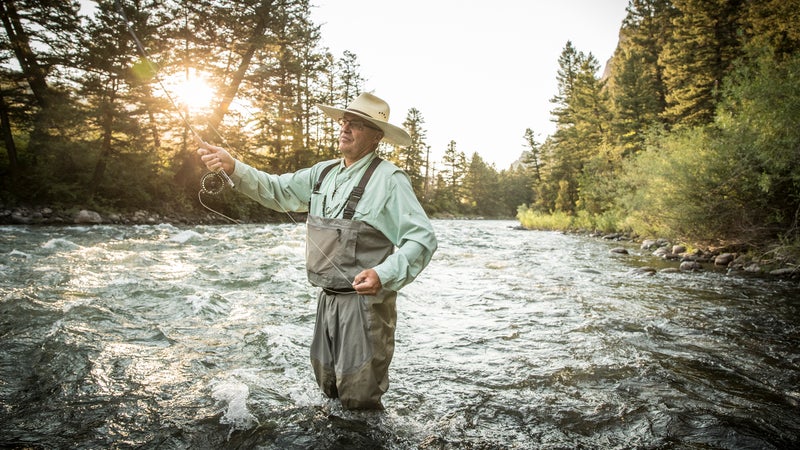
(479, 72)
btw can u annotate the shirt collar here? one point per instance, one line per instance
(358, 165)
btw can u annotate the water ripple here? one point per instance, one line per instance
(197, 337)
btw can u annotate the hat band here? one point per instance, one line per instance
(360, 112)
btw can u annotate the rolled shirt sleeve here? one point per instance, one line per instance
(286, 192)
(403, 221)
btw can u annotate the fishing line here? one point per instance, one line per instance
(212, 183)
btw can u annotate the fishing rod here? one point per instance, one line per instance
(212, 183)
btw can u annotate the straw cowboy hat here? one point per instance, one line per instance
(374, 110)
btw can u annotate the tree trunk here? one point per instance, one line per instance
(8, 138)
(105, 150)
(18, 39)
(254, 43)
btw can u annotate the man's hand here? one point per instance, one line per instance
(214, 157)
(367, 283)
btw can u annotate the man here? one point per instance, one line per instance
(360, 208)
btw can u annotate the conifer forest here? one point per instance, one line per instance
(690, 131)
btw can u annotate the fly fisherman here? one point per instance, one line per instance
(360, 209)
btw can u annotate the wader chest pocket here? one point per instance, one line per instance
(331, 253)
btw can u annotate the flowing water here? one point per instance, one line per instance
(197, 337)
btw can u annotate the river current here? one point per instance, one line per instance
(198, 337)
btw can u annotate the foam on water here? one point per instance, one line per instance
(185, 236)
(231, 397)
(18, 254)
(60, 244)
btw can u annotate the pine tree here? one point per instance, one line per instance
(636, 84)
(481, 188)
(581, 116)
(411, 158)
(455, 169)
(50, 25)
(40, 36)
(350, 79)
(702, 47)
(532, 158)
(773, 25)
(110, 88)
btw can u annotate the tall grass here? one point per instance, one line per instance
(560, 221)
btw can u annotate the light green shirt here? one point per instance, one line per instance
(388, 204)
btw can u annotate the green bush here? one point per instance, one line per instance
(735, 180)
(535, 220)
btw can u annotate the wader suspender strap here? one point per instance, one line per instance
(319, 181)
(322, 176)
(356, 193)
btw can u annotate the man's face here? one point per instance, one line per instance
(357, 137)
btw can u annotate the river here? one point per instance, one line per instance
(197, 337)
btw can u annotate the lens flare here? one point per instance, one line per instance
(191, 90)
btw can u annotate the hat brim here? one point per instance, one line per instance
(391, 133)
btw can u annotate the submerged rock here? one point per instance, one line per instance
(647, 270)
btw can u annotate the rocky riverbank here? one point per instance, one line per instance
(52, 216)
(734, 259)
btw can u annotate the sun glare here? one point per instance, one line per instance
(192, 91)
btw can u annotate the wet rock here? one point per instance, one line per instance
(141, 216)
(784, 271)
(85, 216)
(649, 244)
(690, 266)
(21, 218)
(666, 253)
(752, 268)
(649, 271)
(724, 259)
(661, 252)
(738, 263)
(619, 251)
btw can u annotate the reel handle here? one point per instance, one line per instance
(224, 175)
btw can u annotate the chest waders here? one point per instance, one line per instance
(353, 340)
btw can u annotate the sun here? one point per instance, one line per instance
(191, 90)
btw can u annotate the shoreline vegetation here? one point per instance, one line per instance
(773, 259)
